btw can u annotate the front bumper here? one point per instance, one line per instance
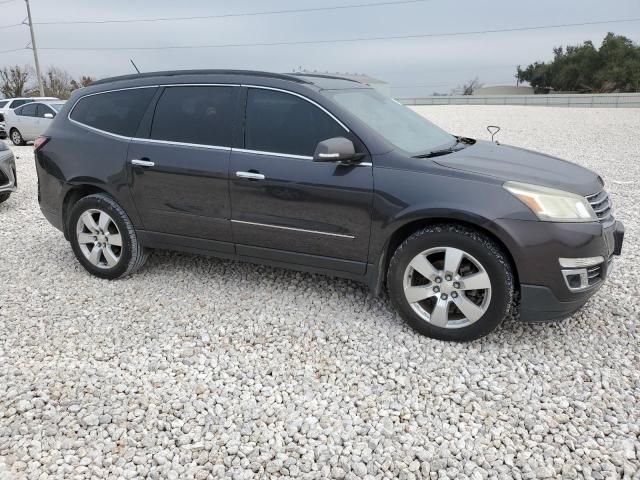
(536, 248)
(8, 177)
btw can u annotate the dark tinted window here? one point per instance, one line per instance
(42, 109)
(3, 103)
(201, 115)
(28, 110)
(282, 123)
(116, 112)
(17, 103)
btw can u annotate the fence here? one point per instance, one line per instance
(602, 100)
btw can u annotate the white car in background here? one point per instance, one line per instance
(8, 104)
(29, 121)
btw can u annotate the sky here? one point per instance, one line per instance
(414, 67)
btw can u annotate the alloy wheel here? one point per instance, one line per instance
(99, 238)
(447, 287)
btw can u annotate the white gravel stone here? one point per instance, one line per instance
(198, 367)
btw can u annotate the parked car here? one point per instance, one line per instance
(11, 103)
(326, 175)
(27, 122)
(8, 177)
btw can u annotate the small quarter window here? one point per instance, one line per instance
(200, 115)
(116, 112)
(279, 122)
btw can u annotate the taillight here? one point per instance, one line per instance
(40, 142)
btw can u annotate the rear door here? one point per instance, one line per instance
(285, 206)
(41, 123)
(26, 118)
(179, 169)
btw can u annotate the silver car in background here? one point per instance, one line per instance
(29, 121)
(8, 179)
(11, 103)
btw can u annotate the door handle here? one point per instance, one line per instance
(142, 163)
(250, 175)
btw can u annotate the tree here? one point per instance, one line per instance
(13, 81)
(84, 81)
(468, 88)
(615, 67)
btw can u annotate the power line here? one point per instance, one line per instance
(7, 1)
(346, 40)
(228, 15)
(13, 50)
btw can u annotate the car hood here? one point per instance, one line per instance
(518, 164)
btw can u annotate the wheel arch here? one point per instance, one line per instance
(403, 230)
(74, 194)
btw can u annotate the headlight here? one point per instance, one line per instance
(553, 205)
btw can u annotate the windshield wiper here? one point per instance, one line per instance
(444, 151)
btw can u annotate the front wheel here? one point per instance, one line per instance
(103, 237)
(451, 282)
(16, 138)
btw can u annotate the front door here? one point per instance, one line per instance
(285, 207)
(179, 174)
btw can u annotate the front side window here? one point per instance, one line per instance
(198, 115)
(279, 122)
(116, 112)
(398, 124)
(28, 110)
(3, 104)
(42, 109)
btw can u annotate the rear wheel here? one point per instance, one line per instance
(16, 137)
(451, 282)
(103, 237)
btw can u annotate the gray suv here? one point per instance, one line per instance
(326, 175)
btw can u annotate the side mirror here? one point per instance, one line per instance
(338, 149)
(48, 115)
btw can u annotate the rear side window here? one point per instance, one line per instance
(199, 115)
(28, 110)
(17, 103)
(279, 122)
(116, 112)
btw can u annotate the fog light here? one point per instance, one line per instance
(580, 262)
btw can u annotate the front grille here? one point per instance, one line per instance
(1, 117)
(601, 205)
(594, 274)
(3, 178)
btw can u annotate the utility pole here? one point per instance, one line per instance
(35, 50)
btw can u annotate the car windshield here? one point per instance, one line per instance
(56, 106)
(398, 124)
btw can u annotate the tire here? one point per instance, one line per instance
(4, 196)
(16, 137)
(483, 264)
(111, 260)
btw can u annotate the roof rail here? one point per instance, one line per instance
(171, 73)
(321, 75)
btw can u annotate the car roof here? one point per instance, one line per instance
(320, 82)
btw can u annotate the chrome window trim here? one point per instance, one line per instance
(304, 98)
(272, 154)
(304, 230)
(181, 144)
(213, 147)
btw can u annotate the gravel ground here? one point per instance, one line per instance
(197, 367)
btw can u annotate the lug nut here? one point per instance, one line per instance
(454, 295)
(448, 277)
(436, 289)
(456, 284)
(443, 296)
(438, 280)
